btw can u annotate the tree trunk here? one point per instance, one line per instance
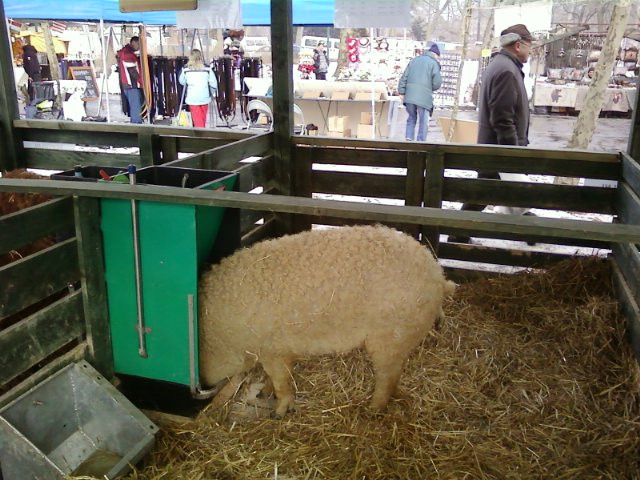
(586, 124)
(466, 24)
(433, 21)
(487, 38)
(343, 60)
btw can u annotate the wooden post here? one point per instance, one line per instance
(94, 290)
(304, 184)
(433, 185)
(149, 149)
(169, 147)
(282, 58)
(11, 146)
(633, 147)
(414, 188)
(54, 68)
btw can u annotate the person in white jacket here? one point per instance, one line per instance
(200, 82)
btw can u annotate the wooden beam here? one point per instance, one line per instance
(360, 184)
(303, 181)
(534, 195)
(49, 159)
(629, 305)
(127, 128)
(31, 340)
(169, 149)
(631, 172)
(10, 141)
(499, 256)
(633, 144)
(414, 186)
(94, 289)
(37, 276)
(476, 221)
(227, 157)
(149, 149)
(73, 355)
(74, 137)
(282, 60)
(491, 150)
(25, 226)
(627, 204)
(433, 183)
(256, 174)
(590, 166)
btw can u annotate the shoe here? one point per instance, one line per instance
(459, 239)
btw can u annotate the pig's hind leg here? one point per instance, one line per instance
(388, 358)
(280, 371)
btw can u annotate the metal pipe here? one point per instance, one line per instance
(105, 74)
(194, 382)
(142, 346)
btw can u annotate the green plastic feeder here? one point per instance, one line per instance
(174, 243)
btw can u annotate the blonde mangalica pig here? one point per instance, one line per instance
(319, 292)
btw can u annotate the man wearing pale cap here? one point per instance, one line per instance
(503, 102)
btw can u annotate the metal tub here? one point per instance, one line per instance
(73, 423)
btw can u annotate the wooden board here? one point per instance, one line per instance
(37, 276)
(33, 223)
(481, 222)
(54, 326)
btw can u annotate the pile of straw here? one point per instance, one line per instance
(529, 376)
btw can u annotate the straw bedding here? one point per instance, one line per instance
(529, 376)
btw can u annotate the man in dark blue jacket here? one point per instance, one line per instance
(418, 82)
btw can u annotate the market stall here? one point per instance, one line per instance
(570, 63)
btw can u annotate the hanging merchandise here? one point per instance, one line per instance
(226, 100)
(252, 68)
(165, 88)
(353, 50)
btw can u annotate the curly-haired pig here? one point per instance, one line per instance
(319, 292)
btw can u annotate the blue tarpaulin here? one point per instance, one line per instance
(254, 12)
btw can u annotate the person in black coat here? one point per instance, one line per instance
(503, 103)
(31, 63)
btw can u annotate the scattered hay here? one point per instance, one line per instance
(529, 376)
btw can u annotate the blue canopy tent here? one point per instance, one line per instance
(254, 12)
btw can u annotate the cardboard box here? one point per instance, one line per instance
(340, 95)
(367, 96)
(344, 133)
(365, 131)
(263, 120)
(311, 94)
(465, 131)
(338, 123)
(366, 118)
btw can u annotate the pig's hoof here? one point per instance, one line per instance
(276, 416)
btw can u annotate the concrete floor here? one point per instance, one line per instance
(546, 131)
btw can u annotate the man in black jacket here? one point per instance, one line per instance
(504, 105)
(30, 63)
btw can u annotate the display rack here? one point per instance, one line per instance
(449, 71)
